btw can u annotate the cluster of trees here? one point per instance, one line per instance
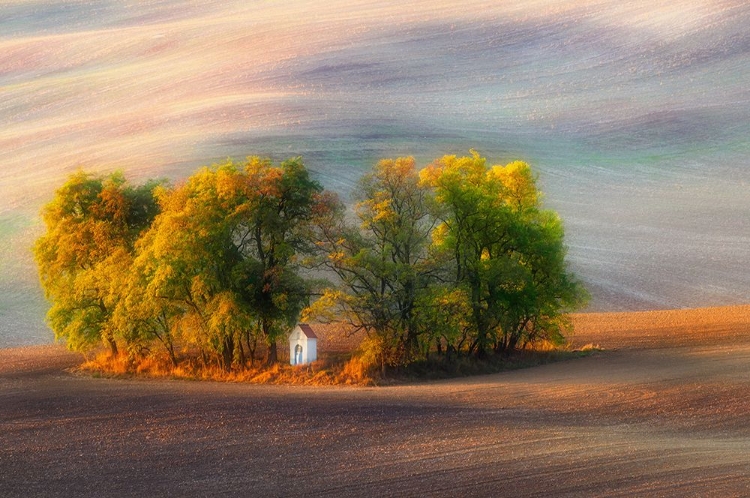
(458, 258)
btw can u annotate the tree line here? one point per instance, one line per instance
(458, 258)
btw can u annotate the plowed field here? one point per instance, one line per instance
(662, 411)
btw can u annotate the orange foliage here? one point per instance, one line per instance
(326, 372)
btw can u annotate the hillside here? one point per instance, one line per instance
(637, 116)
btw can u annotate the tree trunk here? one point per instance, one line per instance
(227, 353)
(172, 356)
(513, 340)
(251, 346)
(449, 352)
(273, 356)
(166, 341)
(478, 316)
(239, 353)
(112, 345)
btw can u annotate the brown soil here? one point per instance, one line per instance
(663, 411)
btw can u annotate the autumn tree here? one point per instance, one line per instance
(506, 252)
(92, 224)
(382, 261)
(182, 278)
(223, 257)
(276, 231)
(460, 257)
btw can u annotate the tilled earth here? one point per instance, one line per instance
(662, 411)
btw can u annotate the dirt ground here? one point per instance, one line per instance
(663, 411)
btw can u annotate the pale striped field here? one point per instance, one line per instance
(635, 114)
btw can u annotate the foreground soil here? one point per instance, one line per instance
(663, 411)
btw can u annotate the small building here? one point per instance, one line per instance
(303, 345)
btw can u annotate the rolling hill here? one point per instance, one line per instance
(636, 116)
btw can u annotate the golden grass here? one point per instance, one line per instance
(352, 363)
(347, 359)
(324, 372)
(589, 347)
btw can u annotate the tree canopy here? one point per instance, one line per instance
(460, 255)
(506, 252)
(456, 258)
(382, 261)
(92, 225)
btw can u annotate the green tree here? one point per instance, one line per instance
(184, 266)
(382, 264)
(223, 259)
(92, 224)
(506, 252)
(285, 204)
(460, 256)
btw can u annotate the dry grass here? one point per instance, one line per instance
(338, 364)
(323, 372)
(589, 347)
(354, 367)
(342, 362)
(346, 358)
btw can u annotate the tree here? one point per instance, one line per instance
(460, 256)
(382, 264)
(507, 253)
(184, 266)
(223, 257)
(92, 224)
(284, 206)
(475, 220)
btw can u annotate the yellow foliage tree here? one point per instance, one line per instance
(92, 224)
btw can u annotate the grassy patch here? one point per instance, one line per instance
(339, 369)
(336, 370)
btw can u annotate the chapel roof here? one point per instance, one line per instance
(308, 331)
